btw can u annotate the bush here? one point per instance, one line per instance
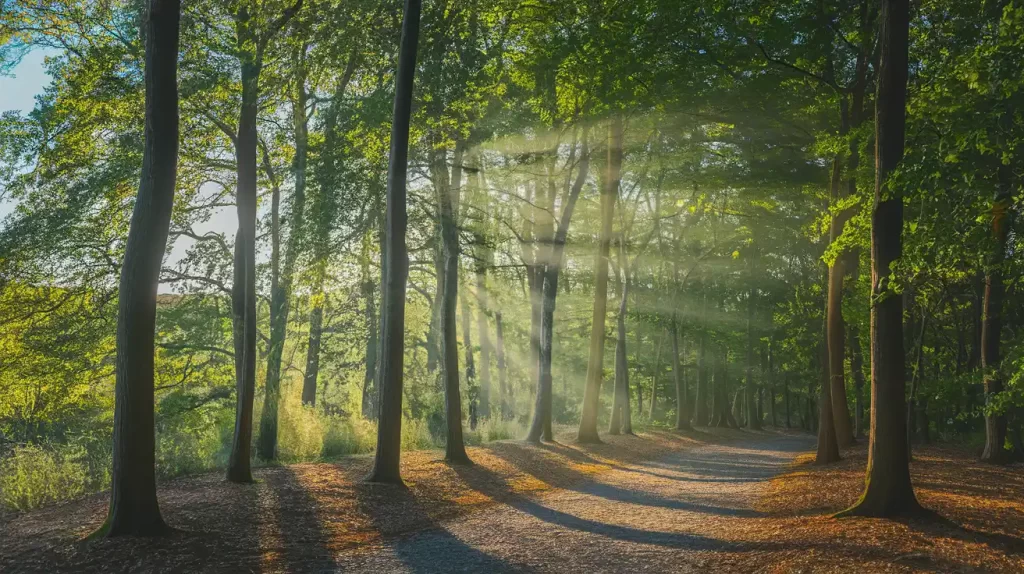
(345, 435)
(34, 475)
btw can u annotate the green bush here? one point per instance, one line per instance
(34, 475)
(348, 435)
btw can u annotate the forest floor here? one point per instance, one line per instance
(709, 500)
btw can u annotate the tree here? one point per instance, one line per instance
(595, 366)
(396, 261)
(251, 46)
(888, 491)
(134, 510)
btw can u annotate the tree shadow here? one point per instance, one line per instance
(305, 542)
(417, 539)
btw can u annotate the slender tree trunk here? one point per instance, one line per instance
(499, 350)
(620, 397)
(244, 289)
(785, 394)
(485, 339)
(828, 447)
(753, 418)
(654, 381)
(448, 299)
(770, 380)
(316, 330)
(888, 491)
(134, 510)
(281, 288)
(369, 402)
(396, 262)
(682, 399)
(701, 415)
(595, 367)
(992, 320)
(540, 426)
(857, 367)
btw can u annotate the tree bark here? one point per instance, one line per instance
(753, 417)
(828, 446)
(652, 415)
(396, 261)
(595, 366)
(701, 416)
(483, 333)
(499, 350)
(888, 490)
(134, 510)
(447, 191)
(369, 287)
(281, 283)
(682, 398)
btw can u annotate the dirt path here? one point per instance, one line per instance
(679, 513)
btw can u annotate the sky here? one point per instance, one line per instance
(18, 91)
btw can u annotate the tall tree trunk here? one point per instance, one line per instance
(134, 510)
(499, 351)
(540, 426)
(753, 418)
(251, 45)
(369, 287)
(620, 397)
(447, 191)
(770, 379)
(888, 490)
(595, 366)
(701, 416)
(654, 380)
(785, 394)
(244, 288)
(281, 288)
(485, 339)
(828, 446)
(396, 262)
(992, 320)
(682, 399)
(857, 368)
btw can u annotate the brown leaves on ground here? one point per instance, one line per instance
(297, 517)
(979, 528)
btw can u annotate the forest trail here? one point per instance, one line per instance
(660, 516)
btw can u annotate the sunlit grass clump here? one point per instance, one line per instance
(35, 475)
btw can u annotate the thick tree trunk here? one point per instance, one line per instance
(396, 262)
(888, 490)
(134, 510)
(281, 288)
(595, 366)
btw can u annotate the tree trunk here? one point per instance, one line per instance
(499, 350)
(281, 285)
(595, 366)
(682, 399)
(447, 191)
(244, 288)
(396, 262)
(888, 490)
(654, 381)
(753, 418)
(620, 398)
(540, 426)
(369, 402)
(701, 416)
(485, 339)
(134, 510)
(828, 447)
(857, 367)
(785, 394)
(992, 320)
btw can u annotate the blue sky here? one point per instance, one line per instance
(29, 77)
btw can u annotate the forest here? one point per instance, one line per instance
(426, 251)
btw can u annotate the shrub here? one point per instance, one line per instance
(348, 435)
(34, 475)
